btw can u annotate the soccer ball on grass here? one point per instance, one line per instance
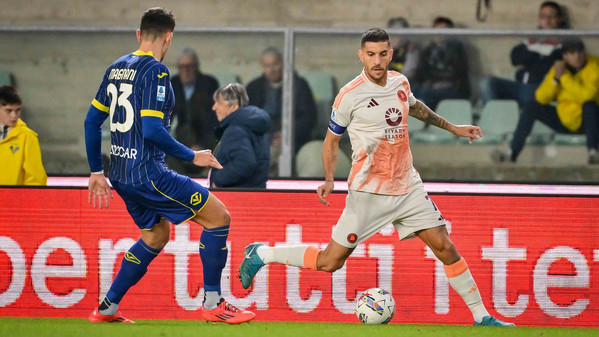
(375, 306)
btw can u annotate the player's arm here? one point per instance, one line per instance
(152, 115)
(422, 112)
(340, 118)
(99, 190)
(330, 148)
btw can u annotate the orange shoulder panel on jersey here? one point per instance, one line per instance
(349, 87)
(393, 73)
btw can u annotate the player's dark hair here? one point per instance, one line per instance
(374, 35)
(233, 93)
(156, 22)
(9, 95)
(443, 20)
(572, 44)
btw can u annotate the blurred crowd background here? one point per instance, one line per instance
(55, 52)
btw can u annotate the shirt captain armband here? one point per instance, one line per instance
(336, 128)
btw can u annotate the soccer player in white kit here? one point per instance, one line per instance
(383, 185)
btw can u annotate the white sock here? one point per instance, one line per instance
(211, 299)
(462, 282)
(108, 308)
(464, 285)
(289, 255)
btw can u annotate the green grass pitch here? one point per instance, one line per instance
(41, 327)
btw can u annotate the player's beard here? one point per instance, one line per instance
(378, 78)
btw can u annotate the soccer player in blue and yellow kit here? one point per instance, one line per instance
(137, 97)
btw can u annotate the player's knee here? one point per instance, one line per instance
(226, 218)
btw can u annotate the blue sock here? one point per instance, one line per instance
(213, 252)
(133, 268)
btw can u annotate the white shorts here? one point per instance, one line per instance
(365, 214)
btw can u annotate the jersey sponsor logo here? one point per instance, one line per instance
(372, 103)
(161, 93)
(393, 116)
(393, 134)
(162, 75)
(14, 148)
(195, 199)
(402, 96)
(123, 152)
(352, 238)
(132, 258)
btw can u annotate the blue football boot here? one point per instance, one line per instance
(492, 321)
(250, 266)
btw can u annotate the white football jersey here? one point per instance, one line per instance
(376, 119)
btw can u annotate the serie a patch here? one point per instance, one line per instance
(161, 93)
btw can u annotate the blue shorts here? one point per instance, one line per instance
(172, 196)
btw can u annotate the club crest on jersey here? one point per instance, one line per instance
(161, 93)
(393, 116)
(352, 238)
(402, 96)
(195, 199)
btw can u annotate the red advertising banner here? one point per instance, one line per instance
(535, 259)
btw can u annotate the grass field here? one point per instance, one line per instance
(41, 327)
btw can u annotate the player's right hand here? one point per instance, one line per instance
(324, 190)
(99, 190)
(206, 158)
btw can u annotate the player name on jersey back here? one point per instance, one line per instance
(122, 74)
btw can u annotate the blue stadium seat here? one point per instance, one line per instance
(6, 78)
(323, 89)
(308, 161)
(226, 78)
(457, 111)
(498, 120)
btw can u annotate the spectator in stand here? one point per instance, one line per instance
(193, 121)
(266, 92)
(243, 149)
(533, 56)
(442, 71)
(405, 52)
(573, 84)
(20, 152)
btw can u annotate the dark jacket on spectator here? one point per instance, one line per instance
(243, 150)
(444, 67)
(196, 120)
(536, 58)
(304, 106)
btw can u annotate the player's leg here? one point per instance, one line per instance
(364, 215)
(133, 267)
(304, 256)
(458, 274)
(215, 219)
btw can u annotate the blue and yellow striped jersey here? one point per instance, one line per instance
(135, 86)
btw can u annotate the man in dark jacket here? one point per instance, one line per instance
(243, 149)
(266, 92)
(534, 57)
(442, 71)
(193, 116)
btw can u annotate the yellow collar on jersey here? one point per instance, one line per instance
(141, 52)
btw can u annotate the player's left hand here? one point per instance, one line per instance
(324, 190)
(99, 190)
(206, 158)
(470, 131)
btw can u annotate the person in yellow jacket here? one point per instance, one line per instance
(20, 154)
(573, 84)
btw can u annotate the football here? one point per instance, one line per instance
(375, 306)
